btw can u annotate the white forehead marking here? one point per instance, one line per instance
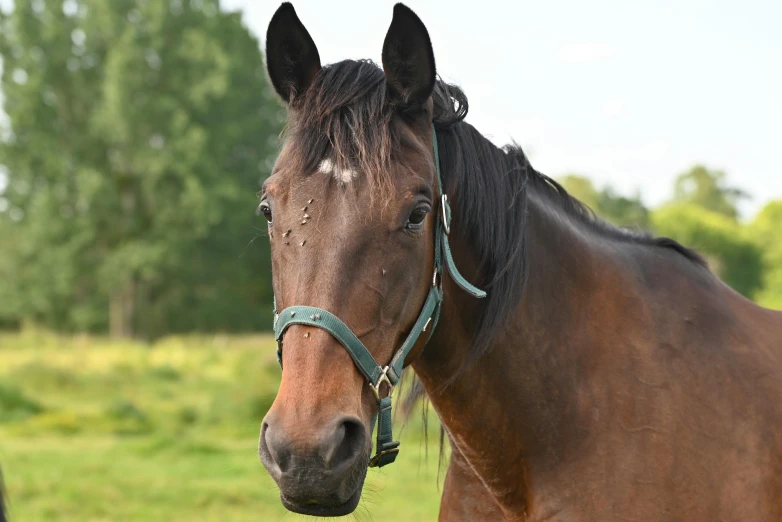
(344, 175)
(326, 166)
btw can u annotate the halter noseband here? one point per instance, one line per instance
(386, 448)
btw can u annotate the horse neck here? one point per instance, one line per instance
(513, 412)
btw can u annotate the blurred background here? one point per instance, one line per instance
(135, 298)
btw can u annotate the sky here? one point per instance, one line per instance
(629, 93)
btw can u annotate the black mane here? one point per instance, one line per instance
(346, 113)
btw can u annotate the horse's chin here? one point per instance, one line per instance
(318, 509)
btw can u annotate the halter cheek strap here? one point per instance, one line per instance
(386, 448)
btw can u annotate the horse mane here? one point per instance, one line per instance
(346, 115)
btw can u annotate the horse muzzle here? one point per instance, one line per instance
(321, 474)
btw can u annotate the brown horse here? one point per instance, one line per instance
(607, 375)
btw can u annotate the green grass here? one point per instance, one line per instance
(95, 430)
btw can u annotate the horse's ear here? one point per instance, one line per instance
(292, 58)
(408, 58)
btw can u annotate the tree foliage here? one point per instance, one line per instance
(582, 188)
(138, 134)
(731, 253)
(766, 230)
(607, 203)
(708, 189)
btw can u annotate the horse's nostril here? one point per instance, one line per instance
(345, 445)
(274, 447)
(334, 451)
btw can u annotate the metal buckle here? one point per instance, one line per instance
(374, 460)
(380, 380)
(443, 216)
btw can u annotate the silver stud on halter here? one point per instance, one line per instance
(427, 324)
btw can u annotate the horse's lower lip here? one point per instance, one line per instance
(323, 510)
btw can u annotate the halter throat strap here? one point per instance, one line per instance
(387, 448)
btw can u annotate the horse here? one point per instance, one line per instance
(580, 371)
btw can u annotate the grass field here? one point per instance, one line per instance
(92, 430)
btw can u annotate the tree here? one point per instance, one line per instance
(707, 188)
(139, 132)
(621, 210)
(607, 203)
(581, 188)
(730, 252)
(766, 230)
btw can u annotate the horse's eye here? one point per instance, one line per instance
(266, 210)
(416, 219)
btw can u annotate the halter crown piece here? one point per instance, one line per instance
(386, 448)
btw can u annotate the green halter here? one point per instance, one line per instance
(386, 448)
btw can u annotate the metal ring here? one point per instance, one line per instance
(380, 380)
